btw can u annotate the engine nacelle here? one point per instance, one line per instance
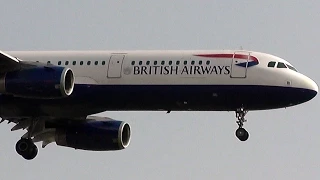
(38, 82)
(95, 135)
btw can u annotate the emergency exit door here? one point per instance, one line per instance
(115, 66)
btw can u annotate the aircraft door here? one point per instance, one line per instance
(239, 64)
(115, 65)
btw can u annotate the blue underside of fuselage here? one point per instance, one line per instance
(90, 99)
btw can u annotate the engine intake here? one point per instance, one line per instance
(38, 82)
(95, 135)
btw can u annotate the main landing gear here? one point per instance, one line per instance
(241, 133)
(25, 146)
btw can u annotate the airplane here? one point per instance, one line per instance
(54, 94)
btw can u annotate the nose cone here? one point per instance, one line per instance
(310, 88)
(313, 86)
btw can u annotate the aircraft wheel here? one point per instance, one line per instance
(242, 134)
(26, 148)
(33, 153)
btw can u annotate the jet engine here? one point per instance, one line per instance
(46, 82)
(95, 135)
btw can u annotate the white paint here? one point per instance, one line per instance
(122, 72)
(115, 66)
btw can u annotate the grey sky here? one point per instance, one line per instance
(283, 144)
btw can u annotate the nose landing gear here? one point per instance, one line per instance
(241, 133)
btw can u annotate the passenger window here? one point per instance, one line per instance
(103, 62)
(178, 62)
(49, 62)
(81, 62)
(185, 62)
(59, 63)
(140, 62)
(192, 62)
(155, 62)
(200, 62)
(162, 62)
(67, 63)
(148, 62)
(170, 62)
(208, 62)
(281, 65)
(271, 64)
(88, 63)
(96, 63)
(132, 63)
(74, 63)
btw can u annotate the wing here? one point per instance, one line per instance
(8, 62)
(40, 130)
(38, 133)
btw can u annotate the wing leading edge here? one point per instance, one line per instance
(8, 62)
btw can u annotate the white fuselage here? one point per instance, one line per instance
(116, 68)
(171, 80)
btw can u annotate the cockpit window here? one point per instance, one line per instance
(291, 67)
(271, 64)
(281, 65)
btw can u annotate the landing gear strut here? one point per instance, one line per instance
(241, 133)
(25, 146)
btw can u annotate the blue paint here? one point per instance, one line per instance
(90, 99)
(93, 135)
(35, 82)
(249, 64)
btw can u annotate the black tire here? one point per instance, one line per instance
(23, 146)
(26, 148)
(242, 134)
(33, 153)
